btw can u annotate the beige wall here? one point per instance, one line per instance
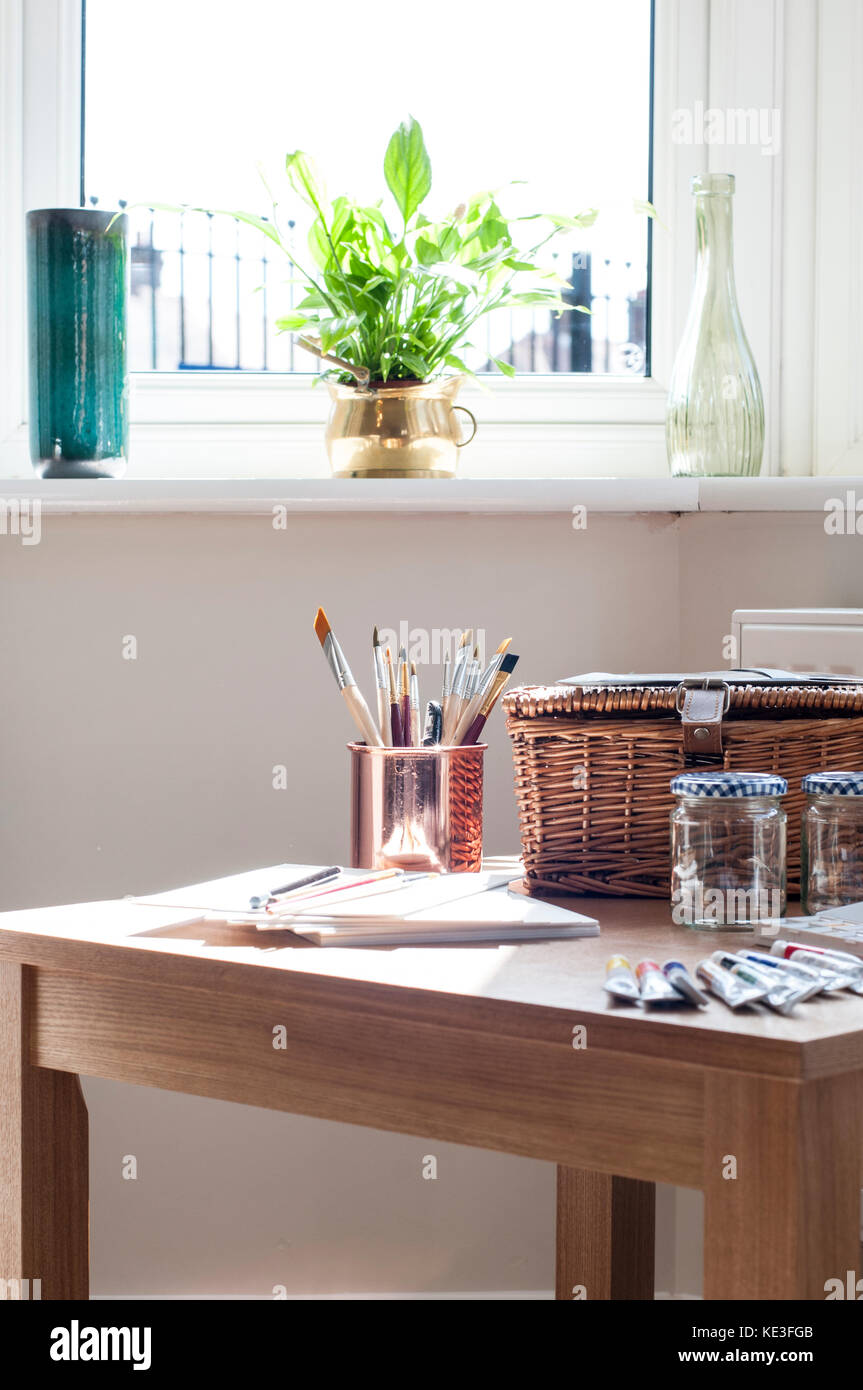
(129, 776)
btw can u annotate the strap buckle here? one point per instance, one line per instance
(703, 683)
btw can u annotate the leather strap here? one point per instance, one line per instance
(701, 714)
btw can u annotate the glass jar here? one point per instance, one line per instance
(831, 867)
(727, 848)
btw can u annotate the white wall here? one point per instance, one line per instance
(130, 776)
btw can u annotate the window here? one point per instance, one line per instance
(182, 100)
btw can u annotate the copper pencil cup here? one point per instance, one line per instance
(417, 808)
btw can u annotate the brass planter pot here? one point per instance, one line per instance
(396, 429)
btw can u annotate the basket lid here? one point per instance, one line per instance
(756, 675)
(745, 694)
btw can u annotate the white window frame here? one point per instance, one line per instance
(725, 53)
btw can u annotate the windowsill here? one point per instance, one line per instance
(467, 496)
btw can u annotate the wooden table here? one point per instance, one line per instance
(478, 1046)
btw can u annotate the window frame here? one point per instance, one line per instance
(190, 424)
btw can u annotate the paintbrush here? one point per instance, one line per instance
(395, 712)
(405, 697)
(433, 725)
(483, 685)
(415, 706)
(446, 685)
(460, 698)
(452, 703)
(383, 693)
(463, 653)
(360, 712)
(472, 681)
(490, 698)
(494, 665)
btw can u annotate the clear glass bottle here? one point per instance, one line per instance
(727, 848)
(831, 866)
(714, 424)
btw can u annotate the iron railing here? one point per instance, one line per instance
(203, 290)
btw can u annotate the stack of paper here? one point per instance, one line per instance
(409, 909)
(491, 914)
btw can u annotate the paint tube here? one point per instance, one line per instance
(816, 981)
(729, 988)
(678, 976)
(654, 987)
(842, 977)
(781, 994)
(620, 981)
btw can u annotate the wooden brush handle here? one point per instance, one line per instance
(384, 718)
(361, 715)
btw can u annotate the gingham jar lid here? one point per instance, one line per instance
(834, 783)
(728, 784)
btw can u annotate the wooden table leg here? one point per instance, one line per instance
(605, 1236)
(781, 1185)
(44, 1212)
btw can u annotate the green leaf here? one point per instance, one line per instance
(581, 219)
(292, 323)
(407, 168)
(562, 220)
(460, 274)
(506, 367)
(415, 364)
(262, 224)
(427, 252)
(304, 180)
(343, 222)
(642, 205)
(450, 242)
(319, 244)
(336, 331)
(546, 299)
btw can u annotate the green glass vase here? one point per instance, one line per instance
(714, 424)
(77, 277)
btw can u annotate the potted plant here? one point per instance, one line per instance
(390, 299)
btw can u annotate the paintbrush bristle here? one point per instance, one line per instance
(376, 641)
(509, 663)
(413, 668)
(503, 646)
(403, 656)
(322, 626)
(465, 635)
(476, 653)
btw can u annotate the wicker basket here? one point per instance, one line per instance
(593, 763)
